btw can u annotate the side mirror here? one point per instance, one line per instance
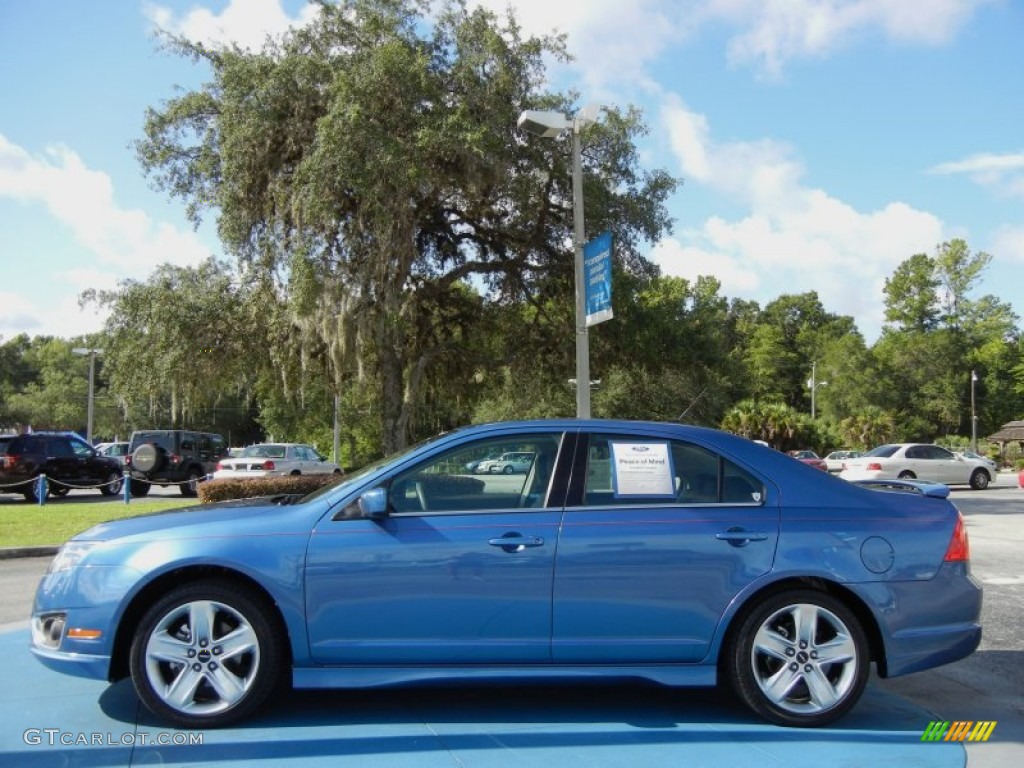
(373, 504)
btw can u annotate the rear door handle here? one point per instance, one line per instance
(516, 542)
(740, 537)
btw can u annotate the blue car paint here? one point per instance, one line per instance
(405, 599)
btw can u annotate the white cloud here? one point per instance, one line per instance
(793, 238)
(1008, 243)
(770, 32)
(83, 200)
(1003, 173)
(612, 41)
(246, 23)
(118, 242)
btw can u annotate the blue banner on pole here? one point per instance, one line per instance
(597, 278)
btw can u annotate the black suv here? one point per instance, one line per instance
(66, 460)
(172, 456)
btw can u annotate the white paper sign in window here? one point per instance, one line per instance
(643, 469)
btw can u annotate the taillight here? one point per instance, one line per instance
(959, 550)
(128, 459)
(874, 466)
(174, 458)
(268, 464)
(220, 465)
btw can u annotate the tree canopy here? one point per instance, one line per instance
(370, 167)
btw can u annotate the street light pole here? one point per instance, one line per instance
(550, 125)
(92, 387)
(582, 335)
(814, 384)
(974, 417)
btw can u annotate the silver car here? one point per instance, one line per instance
(918, 461)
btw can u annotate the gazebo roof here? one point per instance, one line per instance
(1011, 431)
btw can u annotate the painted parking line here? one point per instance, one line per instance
(51, 719)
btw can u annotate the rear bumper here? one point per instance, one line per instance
(926, 624)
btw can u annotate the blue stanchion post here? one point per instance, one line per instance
(126, 487)
(41, 490)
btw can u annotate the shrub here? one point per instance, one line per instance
(254, 487)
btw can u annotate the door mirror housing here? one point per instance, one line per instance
(373, 505)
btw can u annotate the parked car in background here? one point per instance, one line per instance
(506, 464)
(66, 459)
(675, 553)
(836, 461)
(172, 457)
(918, 461)
(810, 458)
(276, 459)
(117, 451)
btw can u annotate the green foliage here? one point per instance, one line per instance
(225, 489)
(370, 162)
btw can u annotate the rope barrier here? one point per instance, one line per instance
(44, 485)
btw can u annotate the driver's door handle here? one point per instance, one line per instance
(516, 542)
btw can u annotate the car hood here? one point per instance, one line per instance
(204, 514)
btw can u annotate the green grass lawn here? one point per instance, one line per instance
(28, 525)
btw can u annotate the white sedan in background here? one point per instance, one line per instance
(918, 461)
(276, 459)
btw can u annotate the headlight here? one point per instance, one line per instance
(70, 555)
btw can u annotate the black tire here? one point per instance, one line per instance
(776, 663)
(906, 474)
(508, 470)
(169, 648)
(30, 493)
(112, 484)
(139, 488)
(148, 458)
(190, 485)
(980, 479)
(294, 473)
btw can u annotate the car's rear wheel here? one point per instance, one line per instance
(31, 490)
(799, 658)
(191, 484)
(207, 654)
(508, 470)
(140, 488)
(907, 475)
(980, 480)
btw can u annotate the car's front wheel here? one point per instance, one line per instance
(191, 485)
(799, 658)
(980, 480)
(112, 484)
(207, 654)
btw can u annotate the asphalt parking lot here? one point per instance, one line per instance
(47, 716)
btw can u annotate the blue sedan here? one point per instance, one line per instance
(676, 554)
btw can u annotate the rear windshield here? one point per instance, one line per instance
(883, 451)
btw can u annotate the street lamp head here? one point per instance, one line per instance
(544, 123)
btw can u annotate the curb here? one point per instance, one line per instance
(9, 553)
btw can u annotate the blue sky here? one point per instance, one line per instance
(822, 142)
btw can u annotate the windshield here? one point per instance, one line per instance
(264, 451)
(369, 469)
